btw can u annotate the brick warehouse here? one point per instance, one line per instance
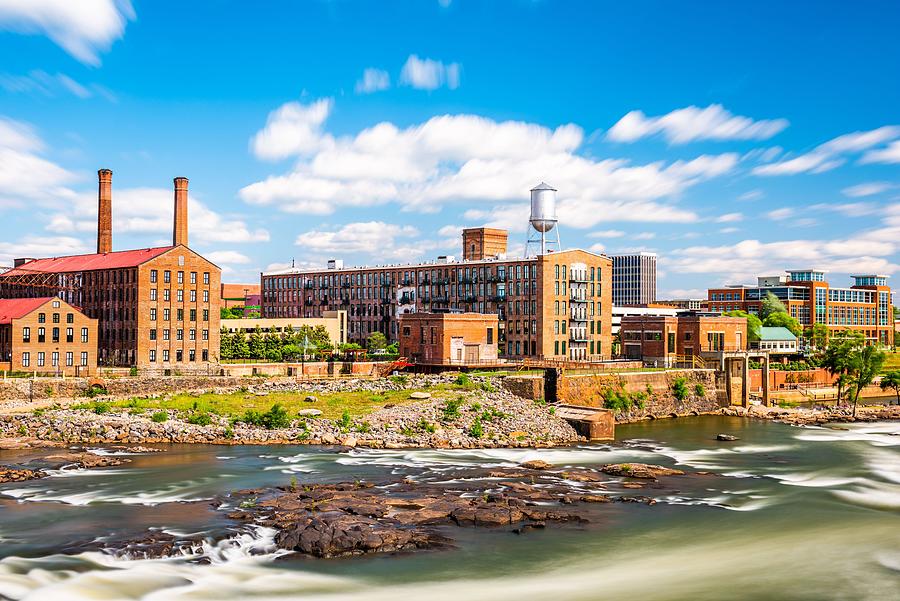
(454, 338)
(556, 305)
(156, 307)
(46, 335)
(864, 307)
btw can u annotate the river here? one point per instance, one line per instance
(789, 513)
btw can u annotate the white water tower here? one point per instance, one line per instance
(542, 222)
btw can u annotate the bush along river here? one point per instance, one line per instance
(667, 512)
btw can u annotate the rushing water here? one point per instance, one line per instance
(787, 514)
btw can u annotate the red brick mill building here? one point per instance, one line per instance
(155, 307)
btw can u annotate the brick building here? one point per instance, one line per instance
(864, 307)
(46, 334)
(155, 307)
(556, 305)
(239, 295)
(449, 338)
(666, 339)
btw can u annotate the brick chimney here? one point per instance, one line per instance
(104, 211)
(180, 235)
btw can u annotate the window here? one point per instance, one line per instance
(26, 359)
(70, 358)
(193, 277)
(193, 296)
(152, 314)
(165, 354)
(84, 334)
(153, 334)
(152, 356)
(70, 318)
(42, 335)
(193, 314)
(84, 358)
(206, 278)
(54, 359)
(205, 335)
(181, 277)
(167, 294)
(42, 318)
(153, 276)
(167, 276)
(55, 334)
(179, 294)
(206, 296)
(192, 334)
(56, 318)
(153, 294)
(205, 355)
(490, 335)
(166, 314)
(205, 314)
(180, 314)
(179, 334)
(41, 359)
(26, 334)
(179, 355)
(70, 335)
(166, 334)
(192, 355)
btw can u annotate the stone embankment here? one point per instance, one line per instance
(816, 416)
(472, 419)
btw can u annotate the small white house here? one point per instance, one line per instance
(778, 341)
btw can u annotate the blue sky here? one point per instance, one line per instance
(731, 138)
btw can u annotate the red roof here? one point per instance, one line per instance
(92, 262)
(14, 308)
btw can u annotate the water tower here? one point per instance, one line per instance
(542, 223)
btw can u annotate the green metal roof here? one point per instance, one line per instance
(779, 333)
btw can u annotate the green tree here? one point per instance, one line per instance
(753, 323)
(817, 335)
(838, 356)
(783, 320)
(257, 344)
(376, 341)
(770, 305)
(226, 346)
(271, 341)
(291, 352)
(892, 380)
(240, 348)
(865, 365)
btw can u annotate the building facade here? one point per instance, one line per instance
(634, 279)
(239, 295)
(334, 322)
(155, 307)
(46, 335)
(449, 338)
(556, 305)
(778, 341)
(866, 306)
(664, 339)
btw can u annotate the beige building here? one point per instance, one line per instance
(334, 322)
(449, 338)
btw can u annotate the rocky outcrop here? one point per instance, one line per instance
(9, 474)
(816, 416)
(639, 470)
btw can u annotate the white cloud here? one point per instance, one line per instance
(780, 214)
(729, 230)
(468, 158)
(221, 257)
(40, 82)
(373, 80)
(372, 237)
(730, 218)
(37, 247)
(292, 129)
(83, 28)
(694, 123)
(890, 154)
(25, 176)
(607, 234)
(867, 189)
(751, 195)
(597, 247)
(849, 209)
(828, 155)
(429, 74)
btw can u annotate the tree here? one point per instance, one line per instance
(226, 346)
(753, 323)
(769, 305)
(892, 380)
(376, 341)
(838, 354)
(240, 348)
(865, 365)
(272, 342)
(291, 352)
(817, 335)
(257, 344)
(783, 320)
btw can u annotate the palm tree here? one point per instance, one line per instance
(892, 380)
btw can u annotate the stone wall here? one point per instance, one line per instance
(49, 388)
(527, 387)
(319, 368)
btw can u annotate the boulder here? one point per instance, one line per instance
(537, 464)
(420, 395)
(639, 470)
(310, 399)
(726, 437)
(309, 412)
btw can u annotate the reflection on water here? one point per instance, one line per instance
(787, 513)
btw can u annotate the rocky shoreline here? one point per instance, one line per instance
(74, 459)
(503, 420)
(815, 416)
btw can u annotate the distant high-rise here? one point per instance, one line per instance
(634, 279)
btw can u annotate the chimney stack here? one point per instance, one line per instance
(104, 211)
(180, 235)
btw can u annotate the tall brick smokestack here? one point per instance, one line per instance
(104, 211)
(180, 235)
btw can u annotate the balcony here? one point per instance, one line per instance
(579, 317)
(578, 336)
(578, 279)
(577, 299)
(497, 298)
(406, 299)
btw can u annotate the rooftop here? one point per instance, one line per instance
(14, 308)
(775, 333)
(91, 262)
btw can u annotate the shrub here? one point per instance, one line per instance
(463, 380)
(92, 391)
(616, 399)
(451, 409)
(679, 389)
(426, 426)
(276, 417)
(101, 408)
(199, 419)
(229, 432)
(363, 428)
(345, 421)
(133, 372)
(477, 430)
(159, 417)
(699, 390)
(400, 380)
(487, 387)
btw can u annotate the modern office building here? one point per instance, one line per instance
(155, 307)
(866, 306)
(633, 279)
(553, 305)
(46, 335)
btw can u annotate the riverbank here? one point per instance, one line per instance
(815, 416)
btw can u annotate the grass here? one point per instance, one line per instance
(237, 404)
(891, 362)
